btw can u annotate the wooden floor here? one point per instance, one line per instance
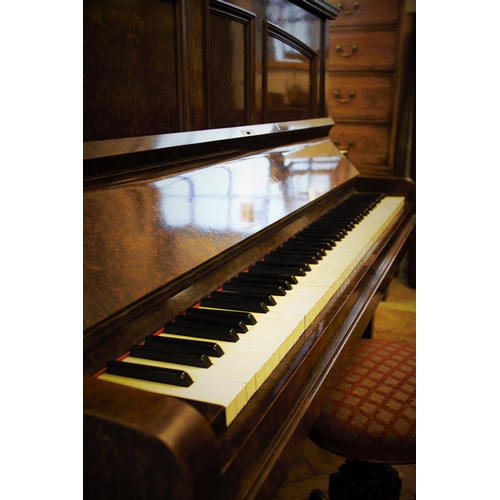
(395, 319)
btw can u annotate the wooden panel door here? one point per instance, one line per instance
(162, 66)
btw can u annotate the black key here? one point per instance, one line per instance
(286, 260)
(204, 333)
(346, 217)
(150, 373)
(309, 256)
(333, 234)
(321, 236)
(354, 212)
(287, 270)
(141, 351)
(331, 227)
(271, 271)
(265, 280)
(317, 239)
(222, 316)
(256, 288)
(184, 346)
(211, 323)
(266, 299)
(293, 244)
(235, 305)
(343, 223)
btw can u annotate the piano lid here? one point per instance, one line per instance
(115, 147)
(146, 232)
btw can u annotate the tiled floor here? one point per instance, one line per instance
(395, 318)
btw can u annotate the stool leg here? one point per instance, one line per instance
(358, 480)
(368, 333)
(317, 495)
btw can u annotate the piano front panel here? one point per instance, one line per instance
(157, 67)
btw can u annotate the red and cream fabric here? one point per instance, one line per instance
(371, 414)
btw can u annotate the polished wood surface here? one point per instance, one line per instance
(155, 67)
(150, 234)
(206, 147)
(141, 235)
(129, 67)
(265, 436)
(366, 58)
(367, 12)
(361, 97)
(152, 443)
(376, 49)
(365, 144)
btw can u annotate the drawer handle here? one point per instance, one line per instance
(344, 150)
(354, 48)
(355, 6)
(337, 96)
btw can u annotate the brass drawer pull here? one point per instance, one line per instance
(354, 48)
(355, 6)
(337, 96)
(344, 150)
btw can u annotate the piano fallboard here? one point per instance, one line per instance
(146, 261)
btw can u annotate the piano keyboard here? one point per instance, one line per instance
(231, 378)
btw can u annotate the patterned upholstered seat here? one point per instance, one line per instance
(371, 414)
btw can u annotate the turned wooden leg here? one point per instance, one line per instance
(368, 333)
(358, 480)
(317, 495)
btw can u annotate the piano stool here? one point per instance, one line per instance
(370, 419)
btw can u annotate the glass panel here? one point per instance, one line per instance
(227, 72)
(288, 83)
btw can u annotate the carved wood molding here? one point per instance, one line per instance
(320, 8)
(247, 19)
(273, 31)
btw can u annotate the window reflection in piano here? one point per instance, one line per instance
(246, 195)
(288, 82)
(142, 235)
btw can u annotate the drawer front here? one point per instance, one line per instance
(365, 12)
(362, 50)
(360, 97)
(365, 145)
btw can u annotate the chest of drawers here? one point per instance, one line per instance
(364, 82)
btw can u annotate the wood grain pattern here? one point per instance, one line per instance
(372, 33)
(131, 69)
(143, 445)
(376, 50)
(156, 240)
(369, 12)
(366, 145)
(372, 100)
(153, 67)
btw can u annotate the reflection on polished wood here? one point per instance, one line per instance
(140, 235)
(161, 67)
(174, 207)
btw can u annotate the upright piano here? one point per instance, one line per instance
(232, 255)
(228, 274)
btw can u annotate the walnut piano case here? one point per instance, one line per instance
(146, 262)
